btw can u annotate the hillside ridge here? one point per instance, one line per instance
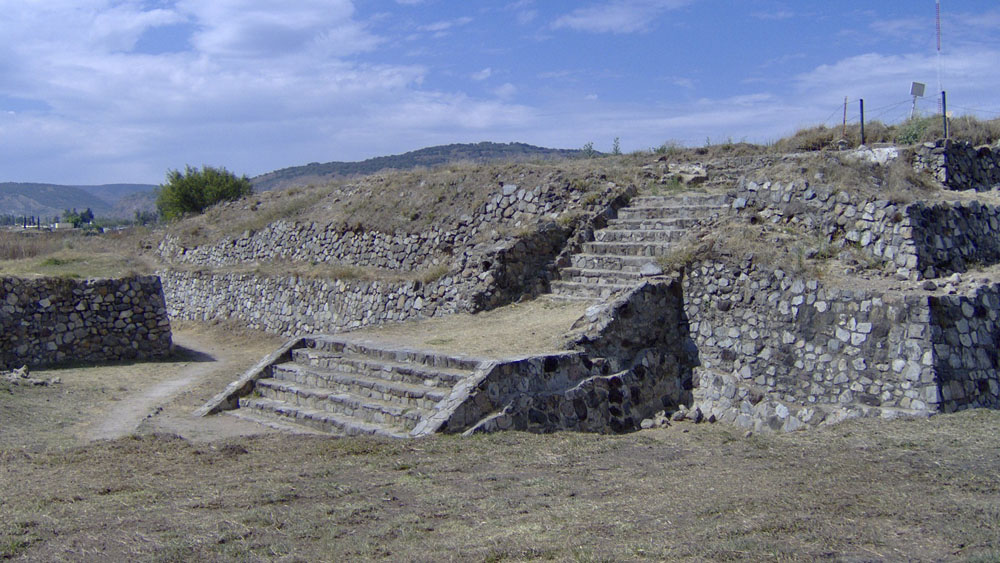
(482, 152)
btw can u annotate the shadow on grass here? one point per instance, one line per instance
(179, 354)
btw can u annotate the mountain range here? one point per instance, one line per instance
(121, 201)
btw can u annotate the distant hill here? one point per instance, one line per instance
(316, 172)
(50, 200)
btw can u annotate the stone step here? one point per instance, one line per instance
(373, 411)
(694, 199)
(324, 421)
(595, 276)
(644, 235)
(638, 224)
(410, 395)
(381, 351)
(627, 248)
(578, 290)
(282, 424)
(679, 212)
(386, 370)
(610, 262)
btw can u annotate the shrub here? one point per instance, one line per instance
(195, 190)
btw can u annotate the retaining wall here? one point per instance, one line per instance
(782, 352)
(51, 320)
(630, 365)
(959, 165)
(916, 241)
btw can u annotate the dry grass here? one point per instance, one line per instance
(73, 254)
(862, 491)
(919, 490)
(911, 131)
(531, 327)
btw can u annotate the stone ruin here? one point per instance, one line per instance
(49, 321)
(728, 338)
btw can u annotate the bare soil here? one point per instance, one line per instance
(105, 402)
(185, 489)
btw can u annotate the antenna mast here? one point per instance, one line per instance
(937, 25)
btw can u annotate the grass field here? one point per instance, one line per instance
(917, 490)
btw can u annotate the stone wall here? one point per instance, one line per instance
(52, 320)
(291, 306)
(779, 352)
(511, 207)
(952, 236)
(916, 241)
(763, 334)
(965, 332)
(506, 252)
(631, 365)
(959, 165)
(486, 277)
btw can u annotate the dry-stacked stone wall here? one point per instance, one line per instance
(471, 275)
(315, 242)
(51, 320)
(631, 365)
(293, 305)
(952, 236)
(763, 334)
(959, 165)
(782, 352)
(965, 332)
(877, 226)
(916, 240)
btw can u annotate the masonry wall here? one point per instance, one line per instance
(959, 165)
(965, 333)
(51, 320)
(785, 352)
(917, 240)
(291, 306)
(510, 207)
(630, 364)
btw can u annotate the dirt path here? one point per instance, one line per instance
(127, 415)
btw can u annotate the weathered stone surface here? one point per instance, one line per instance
(51, 320)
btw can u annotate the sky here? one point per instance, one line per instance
(120, 91)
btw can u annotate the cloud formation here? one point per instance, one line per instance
(617, 16)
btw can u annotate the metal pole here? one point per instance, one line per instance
(944, 112)
(862, 121)
(844, 135)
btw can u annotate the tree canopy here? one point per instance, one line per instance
(194, 190)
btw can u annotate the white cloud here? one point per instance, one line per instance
(775, 16)
(482, 74)
(446, 24)
(505, 91)
(618, 16)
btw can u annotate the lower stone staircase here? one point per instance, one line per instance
(625, 251)
(340, 386)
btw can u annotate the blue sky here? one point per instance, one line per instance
(104, 91)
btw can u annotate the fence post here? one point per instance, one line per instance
(944, 112)
(862, 121)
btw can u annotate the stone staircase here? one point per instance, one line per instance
(627, 249)
(340, 386)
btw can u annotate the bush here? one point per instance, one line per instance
(195, 190)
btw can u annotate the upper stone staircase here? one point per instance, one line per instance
(625, 251)
(341, 386)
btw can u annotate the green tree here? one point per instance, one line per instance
(194, 190)
(71, 217)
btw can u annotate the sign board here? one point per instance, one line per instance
(917, 89)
